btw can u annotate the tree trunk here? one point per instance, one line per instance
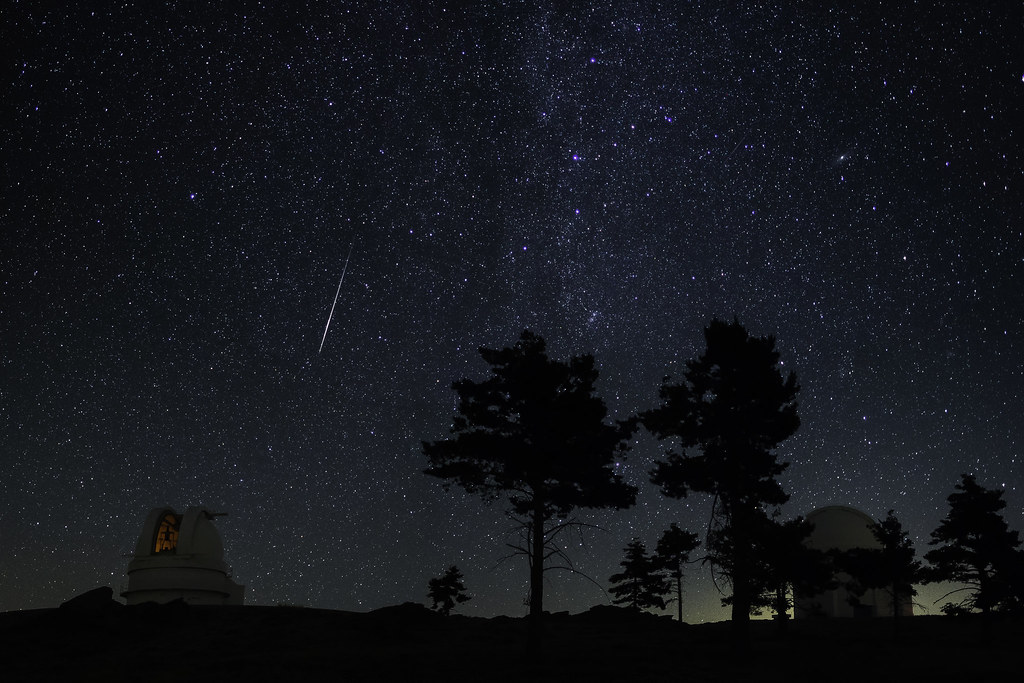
(782, 608)
(741, 597)
(896, 605)
(679, 594)
(740, 616)
(536, 578)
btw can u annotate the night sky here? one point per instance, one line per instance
(181, 186)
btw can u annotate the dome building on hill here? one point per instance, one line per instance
(838, 527)
(180, 556)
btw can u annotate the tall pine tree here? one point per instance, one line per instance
(732, 410)
(535, 433)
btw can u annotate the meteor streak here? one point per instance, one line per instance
(328, 325)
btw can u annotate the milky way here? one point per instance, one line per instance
(181, 183)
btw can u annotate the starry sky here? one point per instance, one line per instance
(182, 183)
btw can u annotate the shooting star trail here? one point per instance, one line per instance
(343, 270)
(737, 146)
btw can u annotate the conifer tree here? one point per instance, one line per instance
(786, 563)
(892, 567)
(447, 590)
(534, 433)
(673, 551)
(976, 547)
(733, 408)
(640, 584)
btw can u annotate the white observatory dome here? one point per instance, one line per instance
(180, 557)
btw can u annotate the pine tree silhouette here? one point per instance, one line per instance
(640, 585)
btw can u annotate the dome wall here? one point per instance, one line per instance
(838, 527)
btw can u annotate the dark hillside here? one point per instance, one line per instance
(410, 643)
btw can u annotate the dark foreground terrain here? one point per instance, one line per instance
(408, 643)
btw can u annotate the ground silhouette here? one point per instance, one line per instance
(178, 642)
